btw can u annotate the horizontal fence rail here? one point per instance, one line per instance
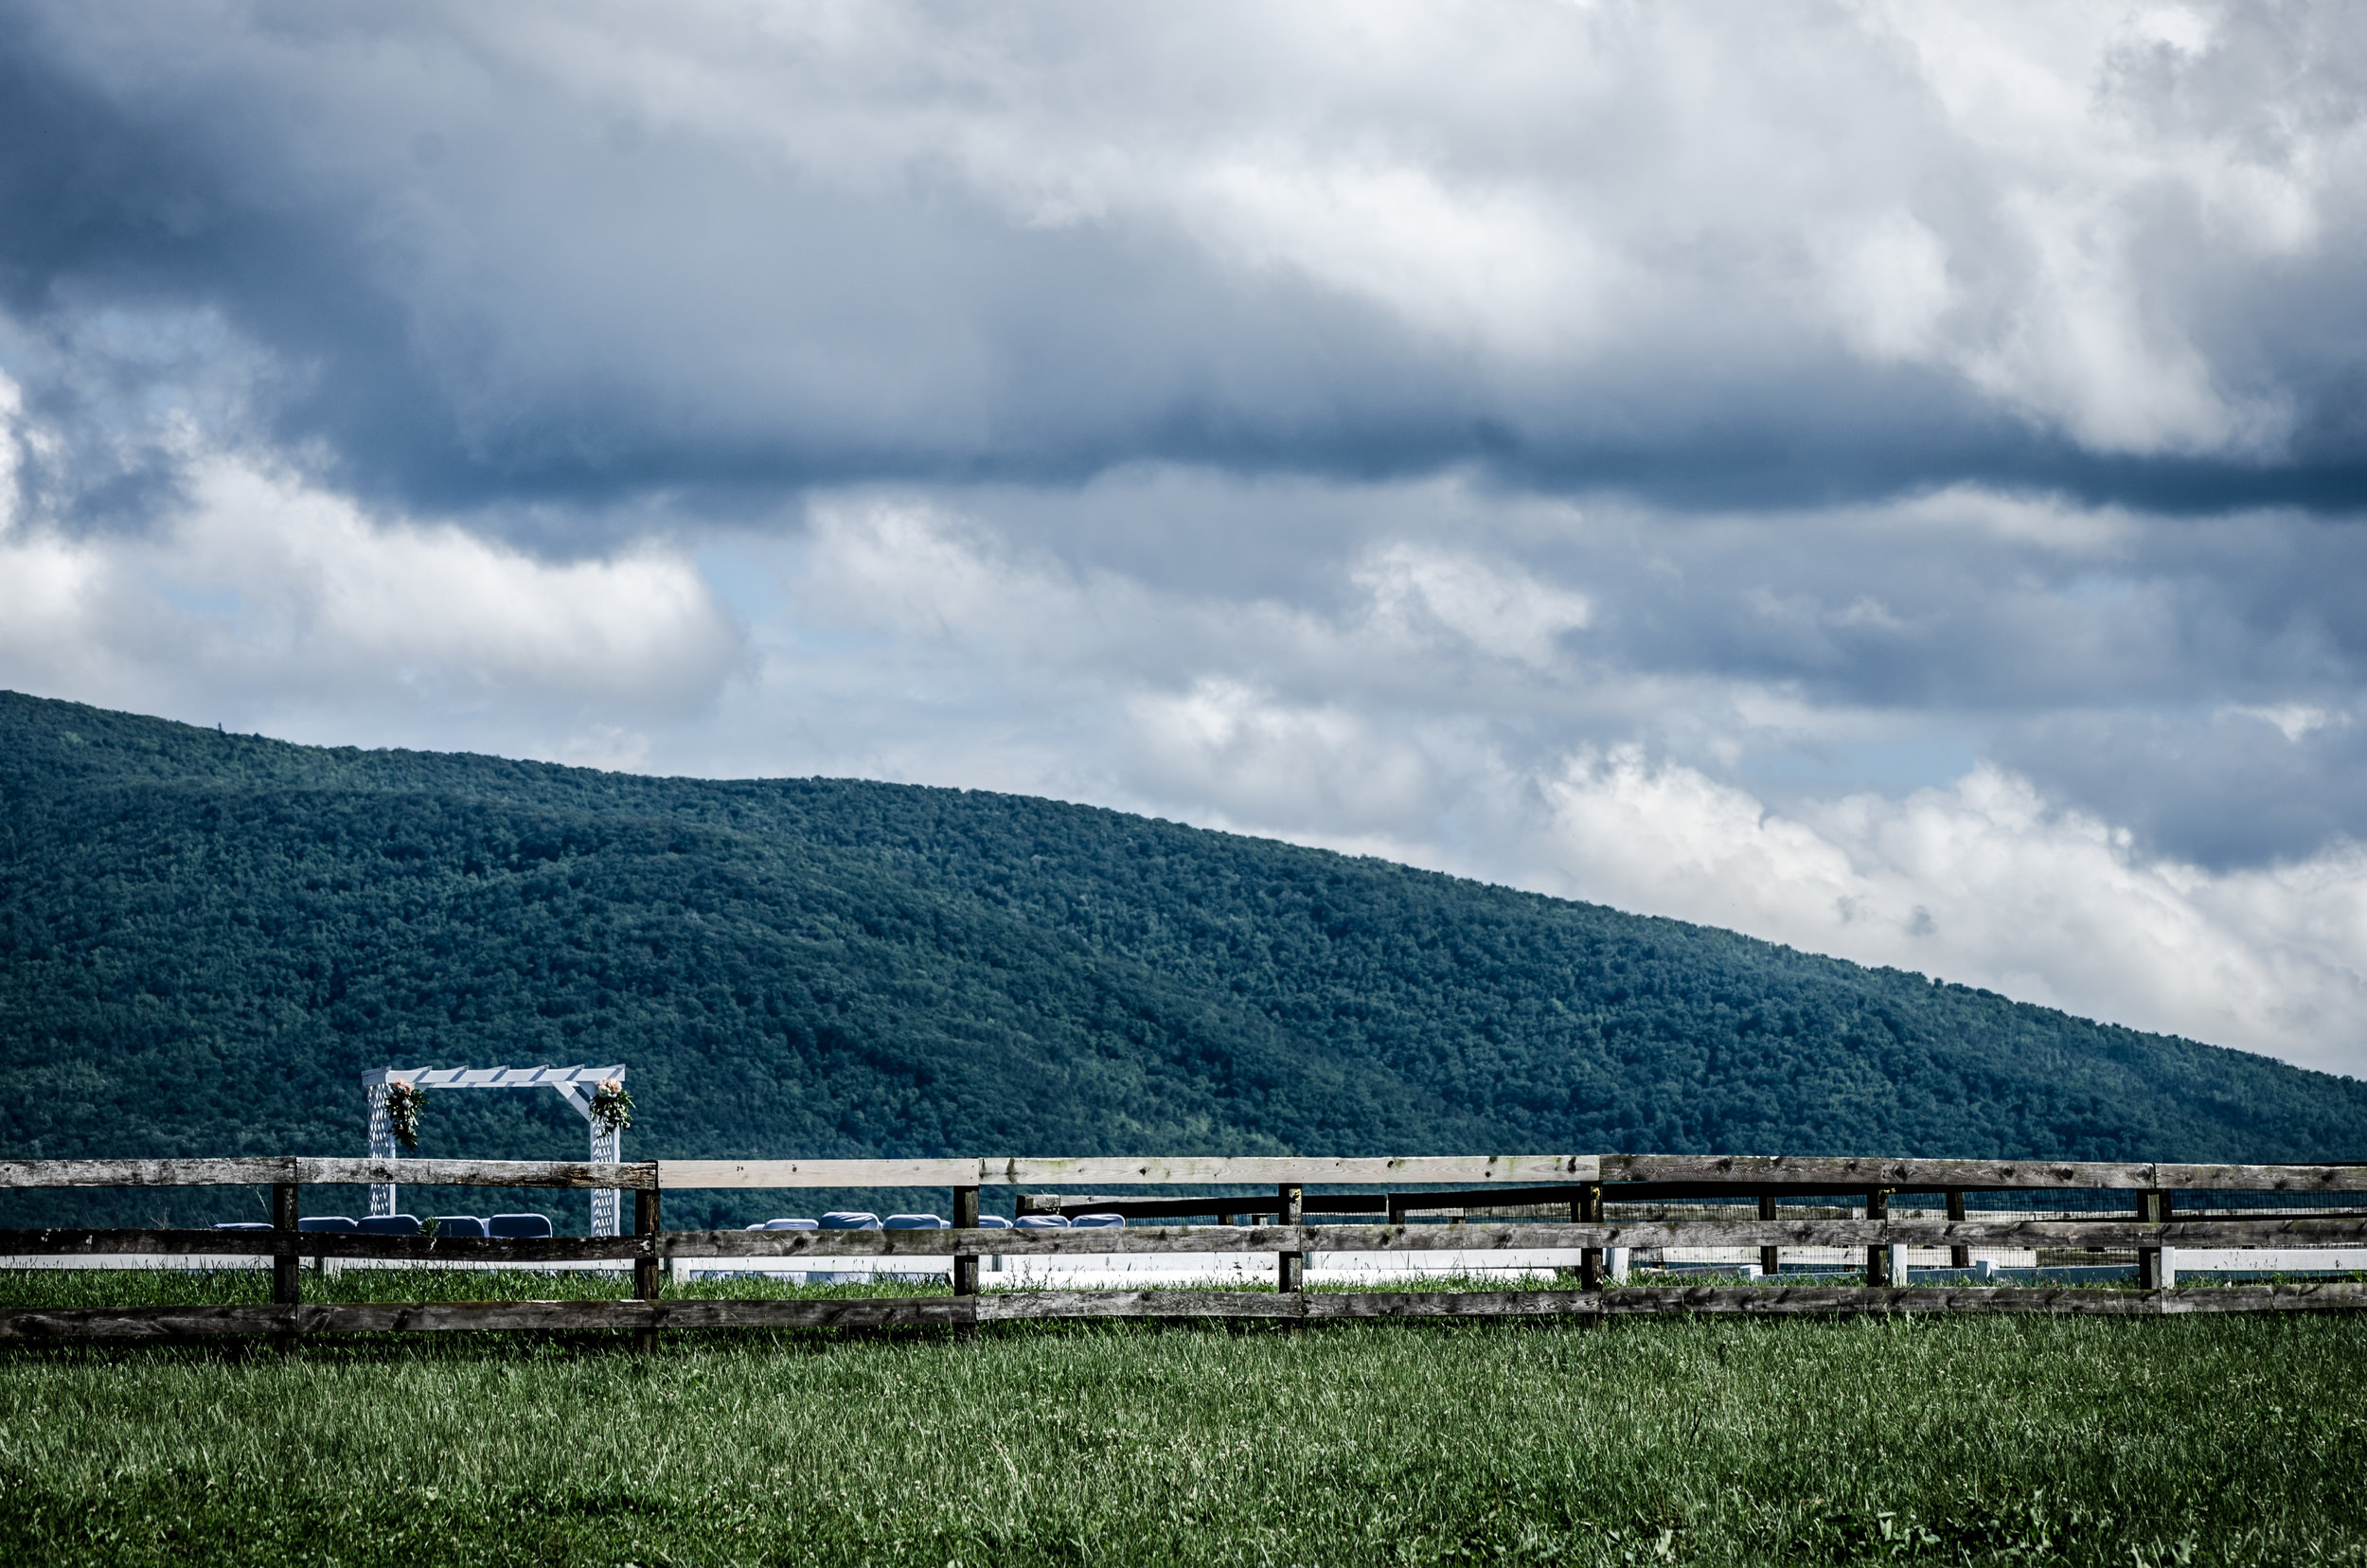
(325, 1172)
(1146, 1240)
(1711, 1172)
(651, 1317)
(1752, 1173)
(1210, 1171)
(2148, 1209)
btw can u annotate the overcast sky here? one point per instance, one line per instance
(1887, 478)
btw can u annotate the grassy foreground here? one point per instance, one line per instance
(2238, 1440)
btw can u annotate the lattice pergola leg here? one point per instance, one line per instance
(382, 1148)
(607, 1148)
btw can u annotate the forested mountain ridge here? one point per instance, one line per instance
(204, 937)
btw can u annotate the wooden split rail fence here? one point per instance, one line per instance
(2147, 1222)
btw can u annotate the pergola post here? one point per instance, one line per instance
(608, 1148)
(383, 1145)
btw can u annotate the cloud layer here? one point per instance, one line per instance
(1885, 477)
(582, 250)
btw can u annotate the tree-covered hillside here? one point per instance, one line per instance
(203, 938)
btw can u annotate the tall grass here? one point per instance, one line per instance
(1984, 1441)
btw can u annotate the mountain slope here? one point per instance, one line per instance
(204, 937)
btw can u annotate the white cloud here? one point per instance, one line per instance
(1984, 883)
(436, 606)
(2294, 719)
(263, 596)
(2080, 351)
(1891, 289)
(2052, 521)
(1424, 592)
(1245, 757)
(1508, 269)
(906, 568)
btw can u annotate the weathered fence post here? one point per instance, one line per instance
(966, 1263)
(286, 1289)
(1771, 1258)
(1959, 1255)
(1591, 1259)
(1878, 1254)
(2153, 1208)
(1289, 1266)
(645, 1267)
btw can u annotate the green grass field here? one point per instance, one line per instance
(2205, 1441)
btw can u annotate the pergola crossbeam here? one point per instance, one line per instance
(493, 1077)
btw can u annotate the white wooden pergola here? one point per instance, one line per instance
(574, 1085)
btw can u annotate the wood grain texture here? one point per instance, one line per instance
(898, 1312)
(1691, 1171)
(649, 1316)
(461, 1251)
(287, 1288)
(71, 1173)
(1456, 1304)
(635, 1177)
(1372, 1171)
(333, 1172)
(1117, 1169)
(2151, 1207)
(1414, 1238)
(1778, 1301)
(1020, 1305)
(1216, 1208)
(471, 1316)
(646, 1274)
(1833, 1300)
(1420, 1203)
(485, 1252)
(1857, 1175)
(2260, 1177)
(816, 1173)
(1290, 1214)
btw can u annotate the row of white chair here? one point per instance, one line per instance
(520, 1225)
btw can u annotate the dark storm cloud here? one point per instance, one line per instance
(487, 266)
(1972, 601)
(2221, 789)
(672, 321)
